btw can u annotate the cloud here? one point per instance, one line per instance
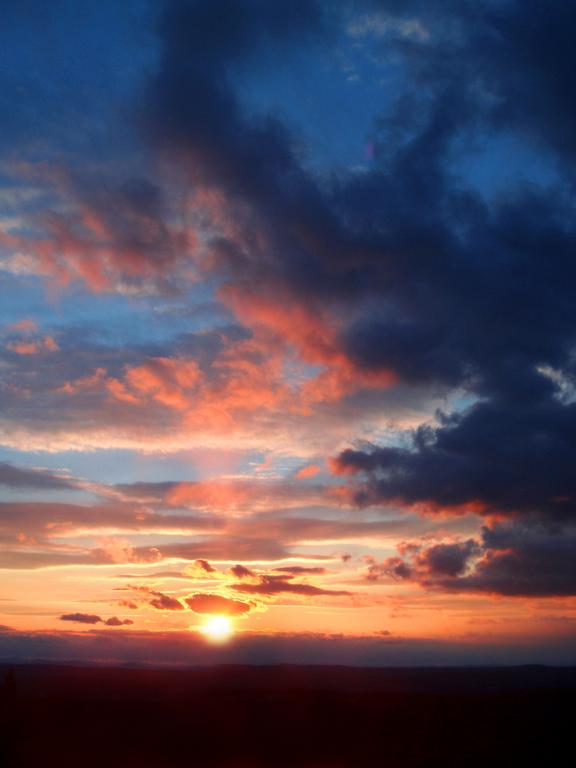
(26, 326)
(480, 305)
(164, 602)
(502, 456)
(51, 519)
(408, 280)
(517, 559)
(48, 534)
(525, 560)
(224, 547)
(34, 347)
(274, 585)
(81, 618)
(205, 566)
(304, 528)
(25, 553)
(216, 604)
(244, 494)
(114, 621)
(107, 234)
(308, 471)
(191, 390)
(433, 305)
(380, 25)
(241, 572)
(24, 477)
(426, 564)
(91, 618)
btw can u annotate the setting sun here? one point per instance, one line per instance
(218, 629)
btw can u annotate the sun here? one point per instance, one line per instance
(218, 629)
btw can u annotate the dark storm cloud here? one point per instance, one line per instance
(449, 559)
(194, 117)
(191, 106)
(525, 560)
(499, 457)
(426, 564)
(490, 310)
(513, 559)
(522, 50)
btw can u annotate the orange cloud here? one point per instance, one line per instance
(114, 621)
(34, 347)
(121, 551)
(244, 494)
(166, 603)
(216, 604)
(158, 600)
(284, 323)
(101, 234)
(308, 471)
(167, 380)
(92, 381)
(241, 572)
(242, 380)
(26, 325)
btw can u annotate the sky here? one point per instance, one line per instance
(288, 331)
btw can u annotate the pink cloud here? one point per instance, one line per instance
(308, 471)
(34, 346)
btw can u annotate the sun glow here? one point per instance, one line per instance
(218, 629)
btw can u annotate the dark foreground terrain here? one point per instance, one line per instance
(321, 717)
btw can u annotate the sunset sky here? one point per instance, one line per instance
(288, 330)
